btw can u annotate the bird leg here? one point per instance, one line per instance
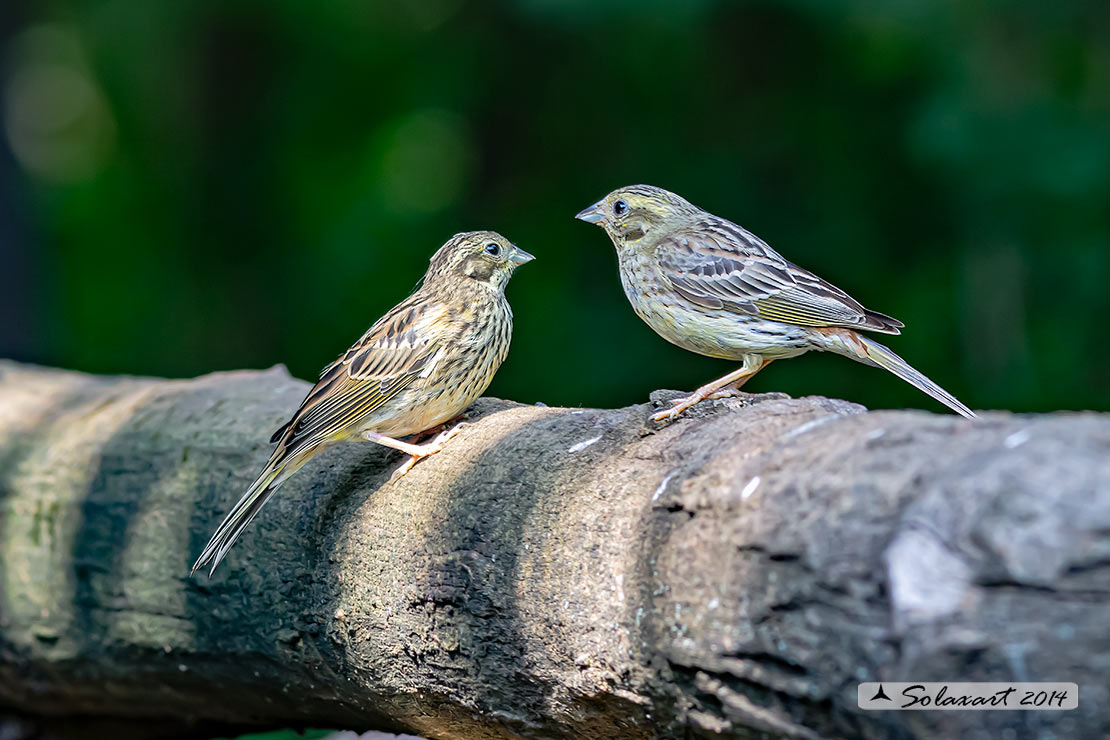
(417, 452)
(721, 388)
(421, 436)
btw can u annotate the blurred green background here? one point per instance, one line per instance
(188, 186)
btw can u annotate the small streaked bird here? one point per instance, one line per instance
(714, 288)
(419, 367)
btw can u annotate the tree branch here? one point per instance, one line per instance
(557, 573)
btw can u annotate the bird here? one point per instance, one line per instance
(714, 288)
(416, 369)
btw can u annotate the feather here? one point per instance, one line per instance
(717, 264)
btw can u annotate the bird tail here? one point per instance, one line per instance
(277, 470)
(868, 351)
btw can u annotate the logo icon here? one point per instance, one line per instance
(880, 694)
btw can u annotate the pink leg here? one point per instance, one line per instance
(417, 452)
(721, 388)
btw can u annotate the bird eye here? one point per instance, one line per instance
(620, 208)
(493, 249)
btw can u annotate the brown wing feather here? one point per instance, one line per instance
(717, 264)
(385, 361)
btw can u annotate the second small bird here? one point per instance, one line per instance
(418, 367)
(714, 288)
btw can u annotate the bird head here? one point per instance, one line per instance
(482, 256)
(631, 215)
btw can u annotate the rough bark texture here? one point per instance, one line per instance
(556, 573)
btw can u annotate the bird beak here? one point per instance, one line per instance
(519, 256)
(593, 214)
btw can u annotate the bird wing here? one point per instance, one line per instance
(400, 347)
(730, 268)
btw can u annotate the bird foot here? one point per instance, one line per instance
(681, 405)
(678, 407)
(419, 452)
(727, 393)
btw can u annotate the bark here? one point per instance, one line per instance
(555, 573)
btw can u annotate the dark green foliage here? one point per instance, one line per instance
(255, 182)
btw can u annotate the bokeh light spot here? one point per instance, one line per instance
(57, 120)
(428, 158)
